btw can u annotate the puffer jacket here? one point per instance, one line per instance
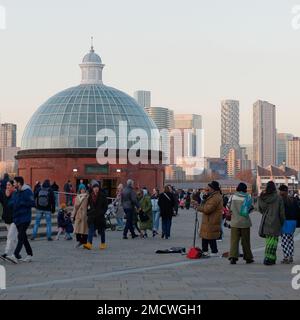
(22, 201)
(212, 209)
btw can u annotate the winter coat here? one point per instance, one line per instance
(235, 205)
(166, 205)
(96, 211)
(129, 198)
(291, 209)
(22, 201)
(212, 208)
(271, 206)
(80, 214)
(55, 187)
(146, 207)
(7, 215)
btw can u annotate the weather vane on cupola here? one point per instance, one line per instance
(92, 44)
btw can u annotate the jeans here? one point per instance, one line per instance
(38, 217)
(211, 243)
(166, 226)
(12, 239)
(129, 222)
(69, 200)
(120, 222)
(155, 219)
(92, 229)
(22, 240)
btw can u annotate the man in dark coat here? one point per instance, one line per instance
(166, 205)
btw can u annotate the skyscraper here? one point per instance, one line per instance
(162, 117)
(8, 135)
(293, 153)
(281, 147)
(143, 98)
(230, 133)
(190, 122)
(264, 133)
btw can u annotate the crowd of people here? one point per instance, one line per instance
(140, 212)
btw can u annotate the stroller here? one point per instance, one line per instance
(109, 216)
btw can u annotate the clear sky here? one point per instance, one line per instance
(190, 53)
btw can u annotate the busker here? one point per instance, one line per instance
(212, 208)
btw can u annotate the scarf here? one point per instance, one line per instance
(244, 212)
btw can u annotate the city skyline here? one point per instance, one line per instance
(225, 64)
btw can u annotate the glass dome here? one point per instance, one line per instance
(71, 118)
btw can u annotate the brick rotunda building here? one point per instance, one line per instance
(59, 142)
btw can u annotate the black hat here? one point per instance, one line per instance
(283, 187)
(242, 187)
(215, 185)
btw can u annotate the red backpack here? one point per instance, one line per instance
(194, 253)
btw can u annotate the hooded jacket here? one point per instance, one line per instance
(271, 206)
(51, 198)
(22, 201)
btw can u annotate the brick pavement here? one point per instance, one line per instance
(130, 269)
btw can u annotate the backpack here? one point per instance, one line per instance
(43, 198)
(194, 253)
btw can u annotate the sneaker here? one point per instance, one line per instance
(233, 260)
(27, 259)
(50, 239)
(13, 259)
(32, 238)
(78, 245)
(162, 235)
(205, 255)
(88, 246)
(291, 260)
(268, 262)
(3, 257)
(125, 237)
(134, 236)
(285, 261)
(103, 246)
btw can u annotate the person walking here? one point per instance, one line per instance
(212, 208)
(145, 213)
(166, 205)
(79, 216)
(155, 211)
(129, 203)
(291, 210)
(240, 205)
(45, 205)
(22, 202)
(7, 217)
(97, 207)
(271, 206)
(119, 208)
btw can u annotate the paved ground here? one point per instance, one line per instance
(130, 269)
